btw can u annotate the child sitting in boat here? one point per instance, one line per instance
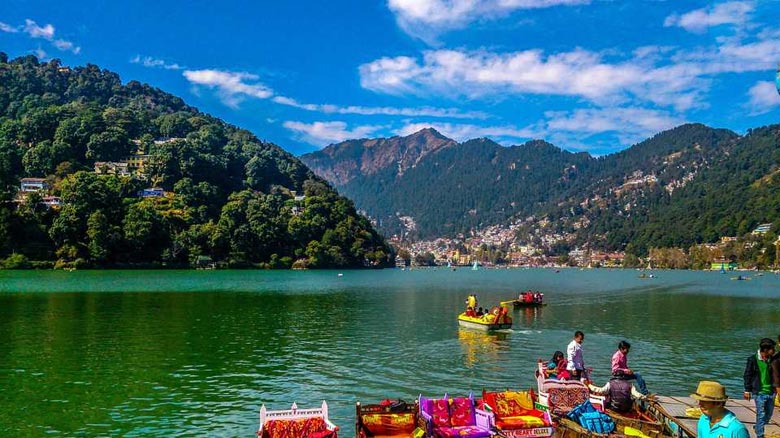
(556, 367)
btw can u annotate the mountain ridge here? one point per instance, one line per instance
(571, 198)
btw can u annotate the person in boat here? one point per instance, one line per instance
(620, 366)
(620, 393)
(480, 312)
(758, 384)
(556, 367)
(575, 363)
(471, 301)
(716, 421)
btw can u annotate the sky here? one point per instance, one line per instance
(585, 75)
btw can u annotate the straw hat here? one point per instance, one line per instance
(710, 391)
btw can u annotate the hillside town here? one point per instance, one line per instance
(497, 246)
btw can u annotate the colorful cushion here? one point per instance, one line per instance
(461, 432)
(440, 412)
(384, 424)
(562, 400)
(462, 412)
(301, 428)
(509, 403)
(520, 422)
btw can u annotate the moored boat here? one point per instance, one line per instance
(637, 420)
(389, 418)
(296, 422)
(567, 428)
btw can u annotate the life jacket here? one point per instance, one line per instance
(620, 395)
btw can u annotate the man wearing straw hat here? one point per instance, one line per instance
(716, 421)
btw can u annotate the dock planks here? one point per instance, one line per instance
(673, 409)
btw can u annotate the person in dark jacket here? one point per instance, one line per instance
(774, 365)
(758, 384)
(620, 392)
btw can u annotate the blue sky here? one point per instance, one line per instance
(586, 75)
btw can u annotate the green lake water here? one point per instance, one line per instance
(195, 353)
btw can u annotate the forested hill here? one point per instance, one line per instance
(453, 187)
(688, 185)
(128, 175)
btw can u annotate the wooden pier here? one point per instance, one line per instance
(672, 411)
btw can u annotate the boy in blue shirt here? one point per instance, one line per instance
(716, 421)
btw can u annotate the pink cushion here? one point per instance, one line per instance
(462, 412)
(461, 432)
(440, 411)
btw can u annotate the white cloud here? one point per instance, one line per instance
(630, 125)
(324, 133)
(7, 28)
(665, 76)
(461, 132)
(699, 20)
(148, 61)
(66, 45)
(40, 53)
(386, 111)
(232, 87)
(579, 73)
(425, 18)
(31, 28)
(763, 98)
(46, 32)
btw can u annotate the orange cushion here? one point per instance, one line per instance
(389, 424)
(520, 422)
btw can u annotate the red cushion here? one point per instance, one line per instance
(301, 428)
(440, 411)
(462, 412)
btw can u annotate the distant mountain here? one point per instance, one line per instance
(343, 162)
(690, 184)
(214, 192)
(453, 187)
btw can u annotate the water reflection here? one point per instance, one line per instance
(479, 346)
(529, 315)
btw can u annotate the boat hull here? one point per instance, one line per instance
(644, 423)
(483, 326)
(518, 303)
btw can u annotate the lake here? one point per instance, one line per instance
(195, 353)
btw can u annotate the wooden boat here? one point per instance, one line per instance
(496, 319)
(513, 415)
(529, 298)
(567, 428)
(520, 303)
(296, 422)
(390, 418)
(637, 420)
(673, 413)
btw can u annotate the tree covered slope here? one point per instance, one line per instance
(228, 196)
